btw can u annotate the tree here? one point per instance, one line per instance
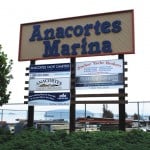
(5, 77)
(136, 116)
(107, 113)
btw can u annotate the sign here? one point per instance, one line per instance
(49, 68)
(99, 74)
(99, 67)
(84, 36)
(101, 81)
(49, 98)
(49, 84)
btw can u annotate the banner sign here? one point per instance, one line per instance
(99, 67)
(99, 74)
(101, 81)
(49, 84)
(49, 68)
(49, 98)
(92, 35)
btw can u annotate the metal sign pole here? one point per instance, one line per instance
(30, 120)
(122, 100)
(72, 97)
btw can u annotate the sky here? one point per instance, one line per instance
(13, 13)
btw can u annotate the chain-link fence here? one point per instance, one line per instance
(132, 108)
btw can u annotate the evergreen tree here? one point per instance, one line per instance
(107, 113)
(5, 77)
(136, 116)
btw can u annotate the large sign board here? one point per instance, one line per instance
(99, 74)
(92, 35)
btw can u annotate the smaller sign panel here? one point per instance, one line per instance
(99, 74)
(99, 67)
(49, 98)
(49, 84)
(49, 68)
(101, 81)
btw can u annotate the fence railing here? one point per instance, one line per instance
(140, 108)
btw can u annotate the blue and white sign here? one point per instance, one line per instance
(50, 68)
(101, 81)
(49, 98)
(50, 71)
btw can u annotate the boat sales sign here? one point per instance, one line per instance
(99, 67)
(91, 35)
(99, 74)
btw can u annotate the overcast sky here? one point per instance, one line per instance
(13, 13)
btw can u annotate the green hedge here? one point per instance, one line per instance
(32, 139)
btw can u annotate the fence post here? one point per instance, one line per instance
(1, 114)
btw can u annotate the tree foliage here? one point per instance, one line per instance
(136, 116)
(5, 77)
(33, 139)
(107, 113)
